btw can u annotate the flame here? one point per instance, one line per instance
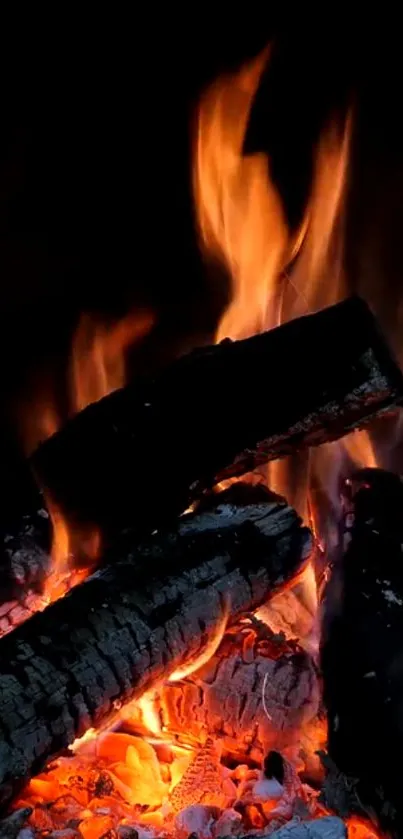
(360, 829)
(115, 778)
(98, 356)
(97, 367)
(149, 713)
(241, 223)
(359, 447)
(67, 546)
(234, 197)
(208, 650)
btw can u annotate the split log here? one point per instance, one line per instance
(256, 693)
(362, 653)
(218, 413)
(132, 624)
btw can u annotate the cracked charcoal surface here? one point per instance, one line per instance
(122, 630)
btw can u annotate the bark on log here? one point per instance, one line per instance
(255, 694)
(217, 413)
(362, 653)
(133, 623)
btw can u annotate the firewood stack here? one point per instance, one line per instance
(170, 583)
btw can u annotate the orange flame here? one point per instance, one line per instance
(66, 547)
(241, 222)
(239, 213)
(98, 356)
(97, 367)
(208, 650)
(360, 449)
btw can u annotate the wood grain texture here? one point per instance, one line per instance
(131, 624)
(140, 456)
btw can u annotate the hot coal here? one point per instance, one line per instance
(121, 631)
(257, 692)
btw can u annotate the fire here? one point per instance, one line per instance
(209, 650)
(360, 449)
(275, 275)
(67, 546)
(97, 367)
(140, 775)
(360, 829)
(240, 218)
(143, 779)
(98, 356)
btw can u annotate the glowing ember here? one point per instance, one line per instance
(120, 780)
(209, 649)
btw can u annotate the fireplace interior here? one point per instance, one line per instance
(201, 530)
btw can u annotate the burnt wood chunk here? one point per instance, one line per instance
(255, 693)
(153, 609)
(140, 456)
(362, 655)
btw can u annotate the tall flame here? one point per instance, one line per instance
(240, 217)
(242, 224)
(97, 367)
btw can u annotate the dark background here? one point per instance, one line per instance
(95, 204)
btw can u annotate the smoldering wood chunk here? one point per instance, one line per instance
(249, 695)
(140, 456)
(362, 654)
(289, 614)
(124, 629)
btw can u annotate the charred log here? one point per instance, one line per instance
(129, 626)
(218, 413)
(256, 693)
(362, 652)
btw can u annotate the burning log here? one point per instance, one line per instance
(362, 655)
(218, 413)
(122, 631)
(256, 693)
